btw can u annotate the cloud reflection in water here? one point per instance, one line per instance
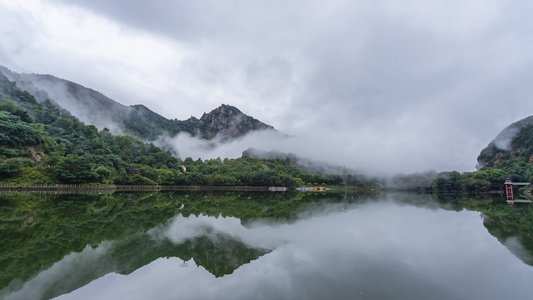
(375, 251)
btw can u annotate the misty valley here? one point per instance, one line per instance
(264, 245)
(99, 200)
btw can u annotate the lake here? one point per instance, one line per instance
(264, 245)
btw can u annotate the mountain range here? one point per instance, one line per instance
(93, 108)
(512, 148)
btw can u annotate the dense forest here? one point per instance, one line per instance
(43, 143)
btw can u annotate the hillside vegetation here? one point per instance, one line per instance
(94, 108)
(42, 143)
(511, 151)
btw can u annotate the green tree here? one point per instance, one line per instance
(10, 168)
(102, 173)
(12, 107)
(15, 132)
(166, 177)
(75, 169)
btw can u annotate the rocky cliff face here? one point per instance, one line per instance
(227, 121)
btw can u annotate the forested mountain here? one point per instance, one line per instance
(511, 151)
(43, 143)
(94, 108)
(40, 142)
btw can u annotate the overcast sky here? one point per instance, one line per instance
(380, 85)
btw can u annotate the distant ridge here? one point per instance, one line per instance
(94, 108)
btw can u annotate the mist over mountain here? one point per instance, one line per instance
(227, 122)
(224, 123)
(511, 146)
(306, 164)
(43, 143)
(313, 167)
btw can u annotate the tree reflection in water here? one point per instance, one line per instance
(114, 233)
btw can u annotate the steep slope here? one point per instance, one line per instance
(41, 143)
(92, 107)
(511, 151)
(514, 142)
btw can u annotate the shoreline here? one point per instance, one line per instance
(81, 188)
(113, 188)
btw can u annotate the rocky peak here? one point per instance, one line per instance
(228, 121)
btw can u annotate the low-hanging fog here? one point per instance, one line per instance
(320, 147)
(379, 86)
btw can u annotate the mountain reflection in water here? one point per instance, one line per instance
(217, 253)
(335, 246)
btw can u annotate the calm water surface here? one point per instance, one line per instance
(264, 246)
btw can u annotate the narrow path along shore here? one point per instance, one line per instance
(86, 187)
